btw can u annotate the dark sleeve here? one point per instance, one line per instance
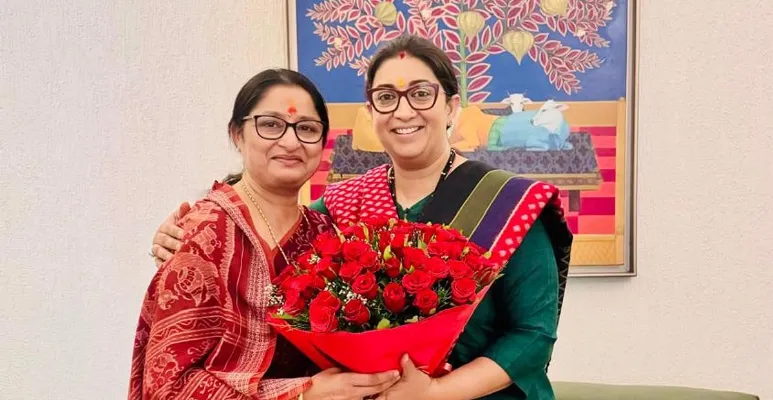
(319, 206)
(529, 302)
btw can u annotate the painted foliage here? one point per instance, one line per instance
(544, 87)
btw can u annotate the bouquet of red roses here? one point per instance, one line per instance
(366, 294)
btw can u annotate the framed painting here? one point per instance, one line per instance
(570, 61)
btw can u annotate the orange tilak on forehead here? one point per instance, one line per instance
(291, 110)
(400, 82)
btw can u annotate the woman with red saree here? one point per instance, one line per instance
(202, 332)
(503, 353)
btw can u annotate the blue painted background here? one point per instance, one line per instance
(608, 82)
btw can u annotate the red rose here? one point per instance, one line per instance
(428, 232)
(426, 301)
(369, 260)
(366, 286)
(437, 268)
(392, 267)
(354, 231)
(486, 274)
(326, 299)
(463, 290)
(417, 281)
(294, 302)
(449, 250)
(484, 269)
(384, 239)
(356, 312)
(323, 319)
(322, 312)
(350, 270)
(303, 284)
(377, 222)
(474, 261)
(319, 282)
(394, 297)
(459, 269)
(307, 260)
(474, 253)
(399, 234)
(450, 235)
(326, 268)
(397, 240)
(473, 248)
(282, 279)
(413, 257)
(353, 250)
(328, 244)
(437, 249)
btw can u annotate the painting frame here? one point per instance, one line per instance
(623, 243)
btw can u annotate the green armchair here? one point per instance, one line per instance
(597, 391)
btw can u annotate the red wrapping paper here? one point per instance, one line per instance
(350, 264)
(428, 342)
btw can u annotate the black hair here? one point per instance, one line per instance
(424, 50)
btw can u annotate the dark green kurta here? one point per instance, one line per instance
(515, 324)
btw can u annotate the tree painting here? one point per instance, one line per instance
(470, 32)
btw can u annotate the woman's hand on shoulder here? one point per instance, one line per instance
(332, 384)
(167, 239)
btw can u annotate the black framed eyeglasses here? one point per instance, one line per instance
(420, 97)
(270, 127)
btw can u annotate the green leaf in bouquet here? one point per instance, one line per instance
(443, 294)
(285, 316)
(384, 324)
(412, 320)
(388, 253)
(338, 231)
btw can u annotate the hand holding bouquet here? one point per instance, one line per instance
(371, 292)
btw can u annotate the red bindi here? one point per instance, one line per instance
(402, 55)
(291, 110)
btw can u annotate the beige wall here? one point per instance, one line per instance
(113, 112)
(701, 310)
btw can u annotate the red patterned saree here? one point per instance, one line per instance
(202, 332)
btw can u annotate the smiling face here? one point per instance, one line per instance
(415, 135)
(285, 163)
